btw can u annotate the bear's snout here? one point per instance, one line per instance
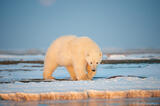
(93, 70)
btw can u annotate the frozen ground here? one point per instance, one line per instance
(21, 57)
(105, 56)
(28, 78)
(132, 56)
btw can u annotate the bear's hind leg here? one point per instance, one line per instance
(91, 73)
(49, 68)
(71, 72)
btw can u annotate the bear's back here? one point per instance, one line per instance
(85, 42)
(64, 39)
(62, 42)
(60, 49)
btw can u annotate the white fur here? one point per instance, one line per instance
(79, 55)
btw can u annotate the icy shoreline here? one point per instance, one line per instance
(21, 75)
(90, 94)
(149, 72)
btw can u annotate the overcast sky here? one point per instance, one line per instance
(26, 24)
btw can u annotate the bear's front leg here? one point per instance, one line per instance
(80, 72)
(91, 73)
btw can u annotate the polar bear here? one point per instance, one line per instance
(80, 56)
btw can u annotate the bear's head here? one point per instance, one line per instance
(93, 59)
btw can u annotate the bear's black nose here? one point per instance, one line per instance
(93, 70)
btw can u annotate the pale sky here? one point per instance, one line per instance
(26, 24)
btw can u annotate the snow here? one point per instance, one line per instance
(27, 78)
(133, 56)
(144, 76)
(21, 57)
(100, 81)
(105, 56)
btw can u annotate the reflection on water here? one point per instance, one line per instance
(91, 102)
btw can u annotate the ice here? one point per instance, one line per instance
(116, 56)
(105, 56)
(100, 82)
(27, 77)
(24, 81)
(21, 57)
(133, 56)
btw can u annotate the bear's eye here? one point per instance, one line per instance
(96, 62)
(91, 62)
